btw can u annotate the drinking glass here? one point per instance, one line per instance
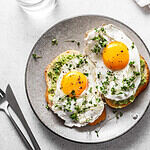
(36, 4)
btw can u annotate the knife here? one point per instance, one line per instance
(15, 107)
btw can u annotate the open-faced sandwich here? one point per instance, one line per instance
(122, 73)
(71, 90)
(110, 70)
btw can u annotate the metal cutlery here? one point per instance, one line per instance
(8, 99)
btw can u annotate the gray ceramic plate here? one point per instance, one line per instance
(75, 28)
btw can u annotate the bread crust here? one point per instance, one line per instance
(101, 118)
(139, 90)
(68, 52)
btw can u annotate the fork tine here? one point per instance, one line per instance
(1, 91)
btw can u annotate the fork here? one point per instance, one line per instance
(4, 107)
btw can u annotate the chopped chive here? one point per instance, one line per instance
(90, 102)
(121, 114)
(54, 42)
(47, 107)
(136, 73)
(114, 111)
(95, 105)
(97, 133)
(131, 64)
(86, 74)
(50, 74)
(73, 92)
(73, 41)
(98, 75)
(113, 91)
(132, 46)
(90, 90)
(35, 56)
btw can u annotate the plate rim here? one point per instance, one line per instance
(25, 79)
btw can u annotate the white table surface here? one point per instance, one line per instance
(18, 33)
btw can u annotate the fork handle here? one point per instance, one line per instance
(18, 130)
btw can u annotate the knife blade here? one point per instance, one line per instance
(15, 107)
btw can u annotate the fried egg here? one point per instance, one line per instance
(117, 61)
(76, 98)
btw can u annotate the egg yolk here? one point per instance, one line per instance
(116, 55)
(74, 83)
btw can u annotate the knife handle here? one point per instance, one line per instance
(24, 123)
(18, 130)
(15, 107)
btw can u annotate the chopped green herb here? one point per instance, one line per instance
(73, 92)
(124, 88)
(110, 73)
(113, 91)
(84, 102)
(114, 78)
(132, 46)
(86, 74)
(132, 78)
(54, 42)
(105, 83)
(51, 91)
(78, 44)
(90, 102)
(116, 84)
(121, 114)
(136, 73)
(98, 100)
(80, 62)
(95, 105)
(90, 90)
(98, 75)
(70, 65)
(67, 109)
(50, 74)
(74, 116)
(97, 133)
(132, 86)
(56, 105)
(47, 107)
(78, 56)
(117, 115)
(78, 109)
(35, 56)
(131, 64)
(103, 90)
(74, 41)
(101, 43)
(74, 98)
(57, 71)
(85, 61)
(120, 93)
(96, 29)
(114, 111)
(102, 29)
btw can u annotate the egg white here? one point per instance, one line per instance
(92, 113)
(114, 34)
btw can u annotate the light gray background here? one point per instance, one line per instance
(18, 33)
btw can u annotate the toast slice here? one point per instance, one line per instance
(142, 86)
(48, 95)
